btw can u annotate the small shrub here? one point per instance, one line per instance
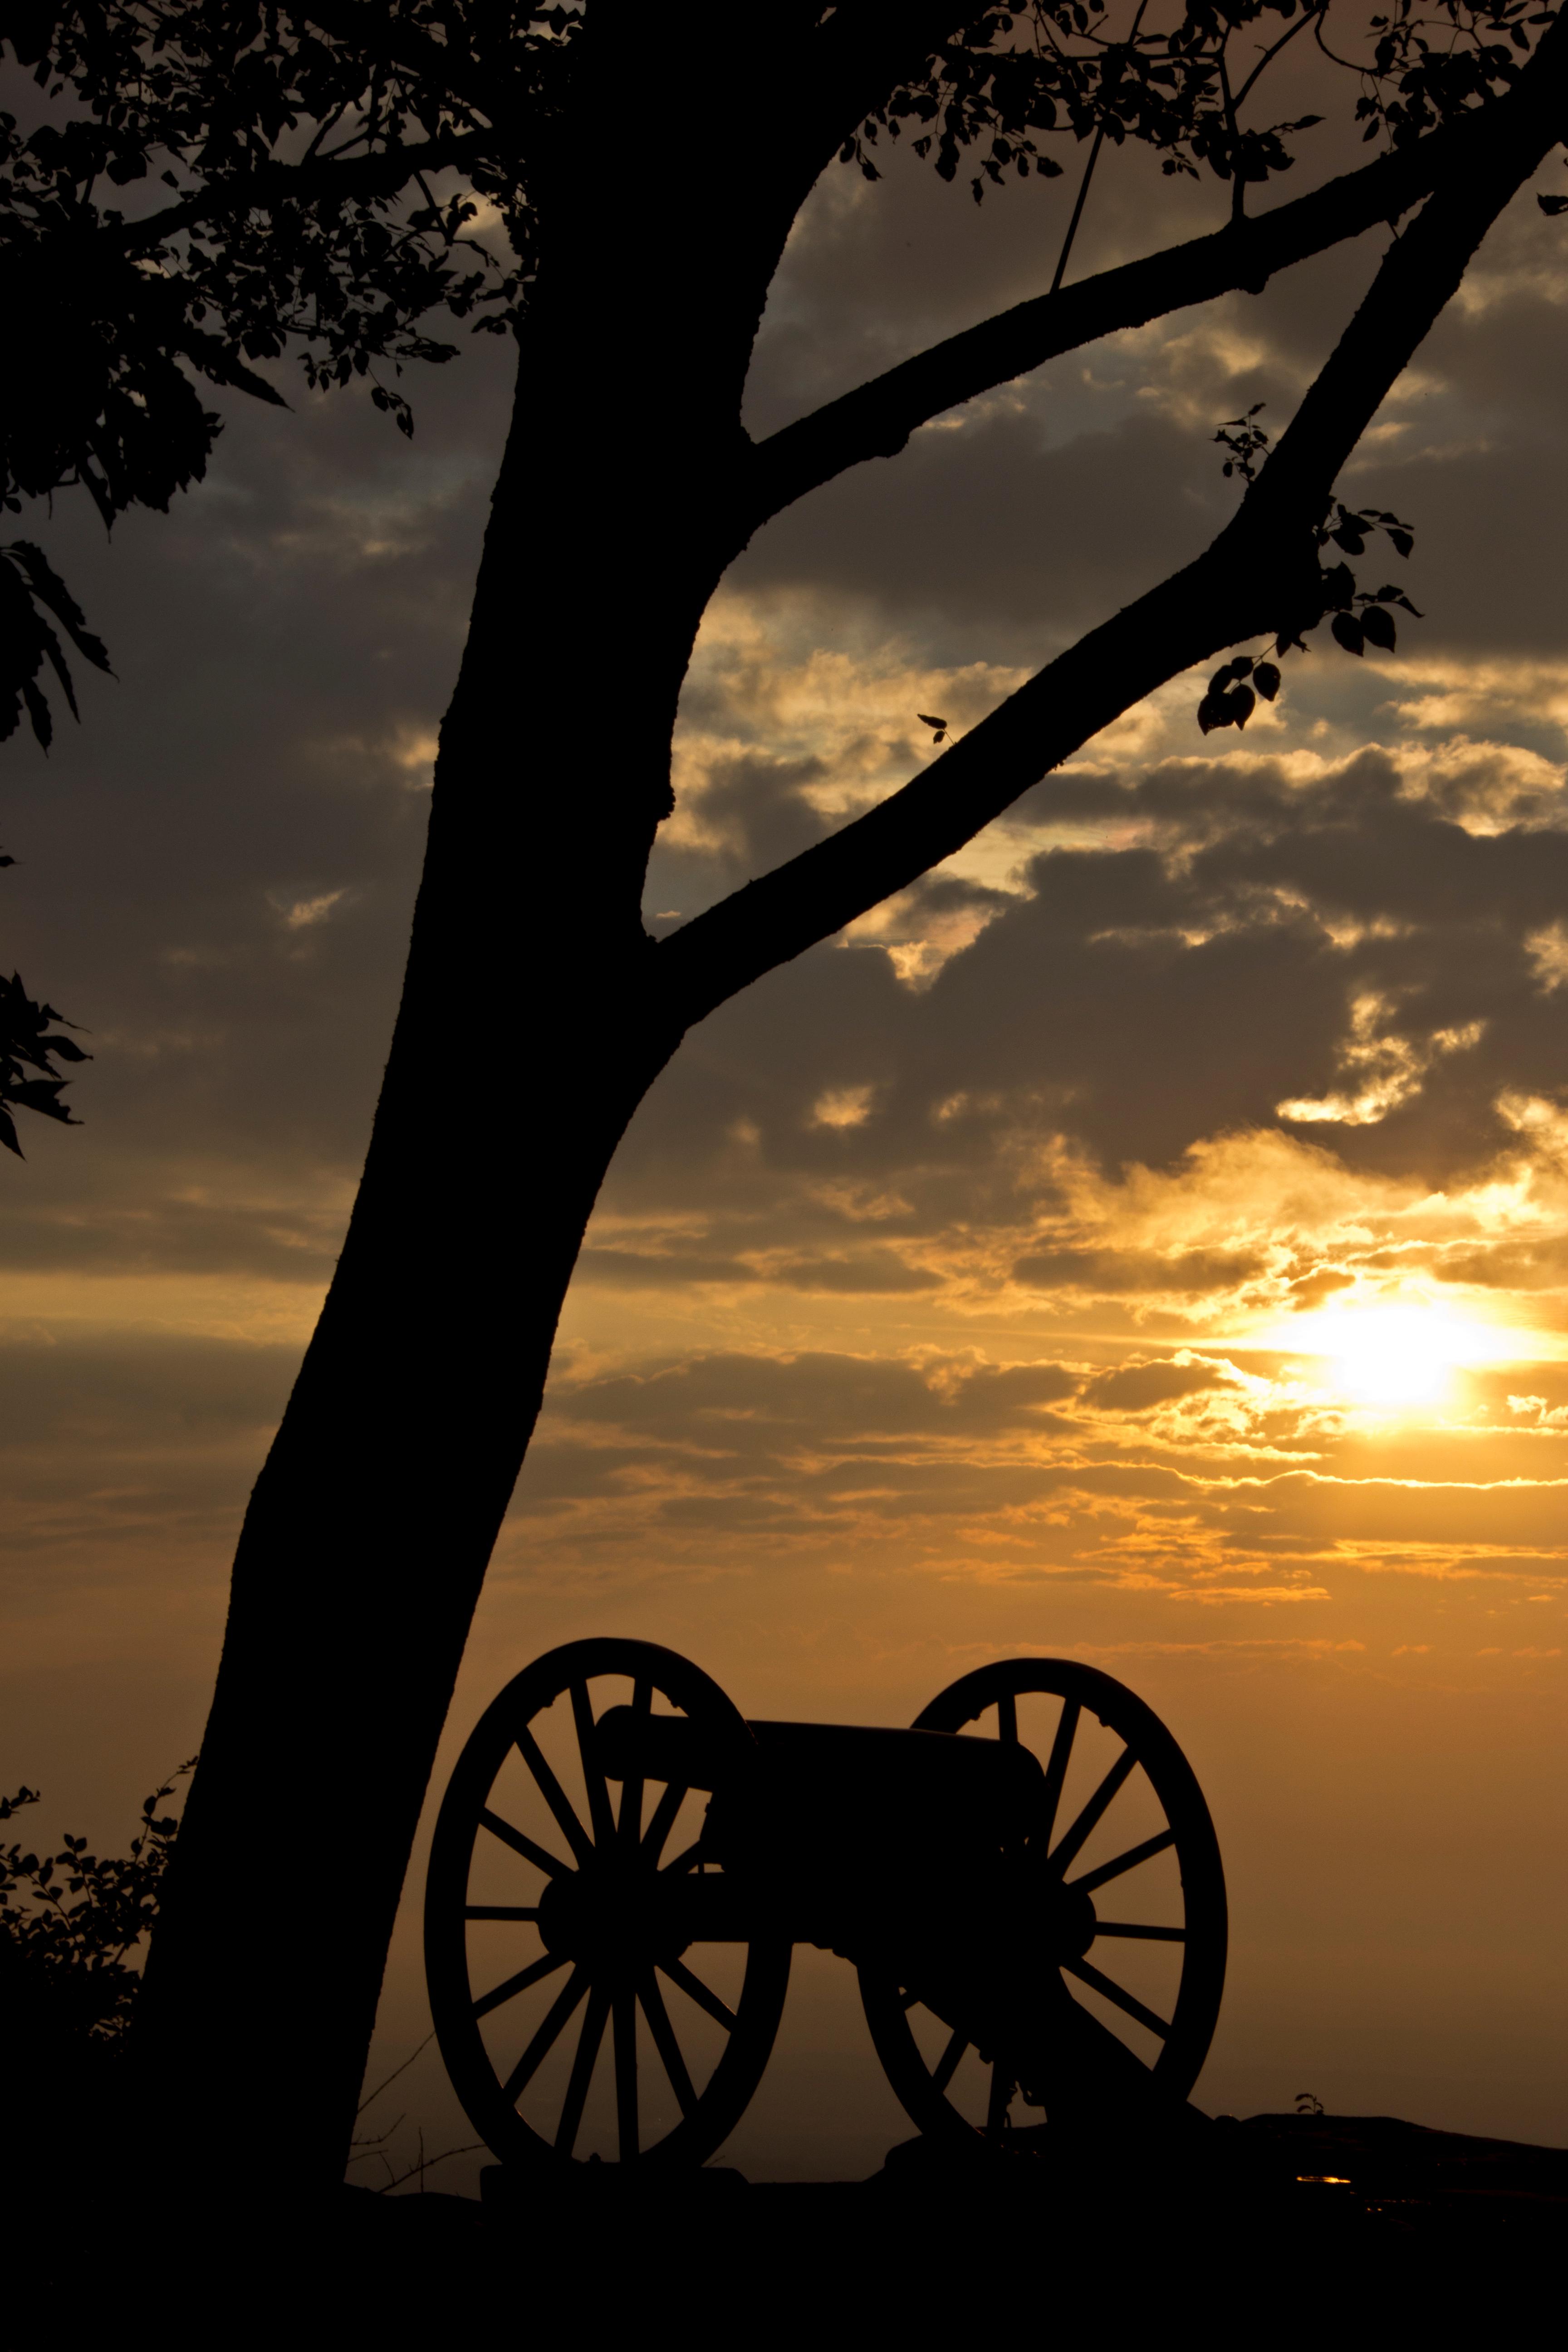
(71, 1924)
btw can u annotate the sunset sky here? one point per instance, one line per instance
(1146, 1240)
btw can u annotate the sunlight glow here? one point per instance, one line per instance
(1396, 1356)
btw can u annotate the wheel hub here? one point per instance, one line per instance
(1060, 1920)
(1071, 1926)
(609, 1920)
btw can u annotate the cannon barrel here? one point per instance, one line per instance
(918, 1777)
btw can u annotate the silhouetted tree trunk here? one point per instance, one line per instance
(626, 488)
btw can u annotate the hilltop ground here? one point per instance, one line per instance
(1289, 2217)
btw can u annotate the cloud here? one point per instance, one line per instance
(1134, 1388)
(304, 914)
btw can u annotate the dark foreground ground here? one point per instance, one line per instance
(1281, 2227)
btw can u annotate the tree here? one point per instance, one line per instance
(29, 1049)
(311, 173)
(30, 592)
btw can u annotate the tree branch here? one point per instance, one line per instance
(383, 173)
(877, 418)
(861, 51)
(1261, 572)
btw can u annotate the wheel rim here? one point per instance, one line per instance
(1123, 1818)
(568, 2032)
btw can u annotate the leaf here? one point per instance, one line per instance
(1225, 706)
(927, 720)
(49, 589)
(1377, 626)
(1349, 632)
(38, 712)
(1265, 679)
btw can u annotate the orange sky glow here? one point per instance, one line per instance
(1145, 1240)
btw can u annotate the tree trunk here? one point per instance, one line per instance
(363, 1554)
(528, 1033)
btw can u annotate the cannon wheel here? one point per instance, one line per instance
(988, 1698)
(596, 1852)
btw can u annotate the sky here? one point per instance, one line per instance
(1144, 1242)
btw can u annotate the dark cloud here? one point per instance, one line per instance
(760, 1403)
(996, 542)
(216, 870)
(94, 1393)
(1105, 1272)
(1139, 998)
(1136, 1387)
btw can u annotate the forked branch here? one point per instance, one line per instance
(877, 418)
(1260, 573)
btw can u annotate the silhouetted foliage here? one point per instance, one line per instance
(71, 1921)
(30, 590)
(29, 1047)
(990, 92)
(325, 169)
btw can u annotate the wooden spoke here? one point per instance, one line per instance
(518, 1983)
(626, 2047)
(665, 2042)
(545, 2041)
(663, 1821)
(1113, 1992)
(599, 1812)
(588, 2043)
(695, 1990)
(1123, 1862)
(1145, 1934)
(630, 1823)
(685, 1861)
(548, 1863)
(1001, 2099)
(946, 2067)
(500, 1911)
(1089, 1820)
(1056, 1771)
(1007, 1718)
(555, 1797)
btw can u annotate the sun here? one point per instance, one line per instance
(1396, 1355)
(1394, 1358)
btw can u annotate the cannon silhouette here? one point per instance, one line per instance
(622, 1864)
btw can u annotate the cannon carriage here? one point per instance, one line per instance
(1026, 1880)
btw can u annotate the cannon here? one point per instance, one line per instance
(1028, 1882)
